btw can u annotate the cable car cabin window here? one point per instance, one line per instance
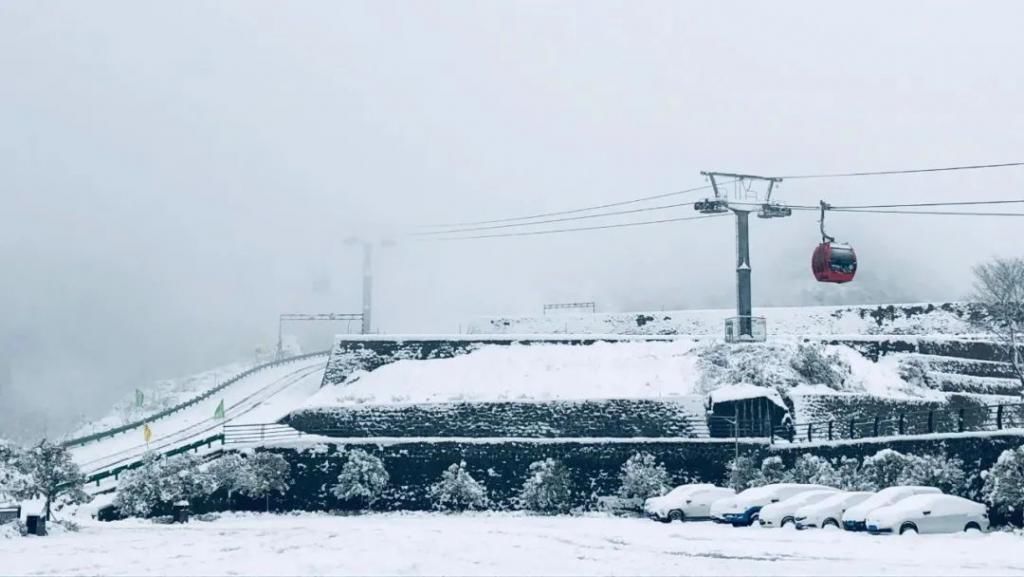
(842, 259)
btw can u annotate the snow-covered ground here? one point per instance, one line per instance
(262, 397)
(945, 319)
(603, 370)
(494, 544)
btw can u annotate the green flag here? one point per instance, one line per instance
(219, 413)
(139, 398)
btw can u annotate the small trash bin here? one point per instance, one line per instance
(36, 525)
(181, 512)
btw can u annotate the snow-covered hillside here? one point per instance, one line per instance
(920, 319)
(161, 395)
(622, 370)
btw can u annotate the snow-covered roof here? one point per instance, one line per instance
(743, 391)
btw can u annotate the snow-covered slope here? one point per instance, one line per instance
(622, 370)
(921, 319)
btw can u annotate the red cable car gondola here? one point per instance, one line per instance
(832, 262)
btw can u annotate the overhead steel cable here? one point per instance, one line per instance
(572, 211)
(926, 212)
(577, 229)
(550, 221)
(906, 171)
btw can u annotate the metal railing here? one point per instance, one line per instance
(952, 420)
(186, 404)
(259, 432)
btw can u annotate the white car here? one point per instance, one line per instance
(854, 518)
(685, 502)
(744, 511)
(829, 511)
(784, 512)
(929, 513)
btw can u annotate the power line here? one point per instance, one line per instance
(578, 229)
(924, 204)
(927, 212)
(573, 211)
(554, 220)
(906, 171)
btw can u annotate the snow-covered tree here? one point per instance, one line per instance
(266, 473)
(935, 471)
(181, 479)
(814, 470)
(14, 481)
(883, 469)
(138, 490)
(1004, 482)
(548, 487)
(363, 478)
(458, 490)
(772, 471)
(642, 476)
(999, 288)
(53, 476)
(744, 473)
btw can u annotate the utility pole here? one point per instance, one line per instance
(367, 276)
(744, 322)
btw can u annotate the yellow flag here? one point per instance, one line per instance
(147, 433)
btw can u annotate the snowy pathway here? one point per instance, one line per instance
(495, 544)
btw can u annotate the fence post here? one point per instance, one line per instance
(999, 417)
(810, 432)
(931, 421)
(830, 423)
(262, 430)
(960, 421)
(903, 424)
(852, 432)
(771, 435)
(876, 425)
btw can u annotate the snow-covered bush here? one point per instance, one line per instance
(915, 372)
(642, 476)
(744, 473)
(848, 476)
(548, 488)
(266, 473)
(936, 471)
(363, 478)
(817, 366)
(1004, 482)
(229, 473)
(814, 470)
(883, 469)
(52, 475)
(772, 471)
(458, 490)
(161, 481)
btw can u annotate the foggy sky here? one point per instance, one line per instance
(174, 175)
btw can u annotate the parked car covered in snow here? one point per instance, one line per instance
(720, 507)
(929, 513)
(744, 511)
(855, 517)
(784, 512)
(685, 502)
(829, 511)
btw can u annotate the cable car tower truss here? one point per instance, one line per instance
(745, 199)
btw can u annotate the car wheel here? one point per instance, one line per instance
(754, 519)
(972, 526)
(676, 515)
(908, 528)
(829, 523)
(786, 521)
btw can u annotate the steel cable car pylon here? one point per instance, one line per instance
(832, 262)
